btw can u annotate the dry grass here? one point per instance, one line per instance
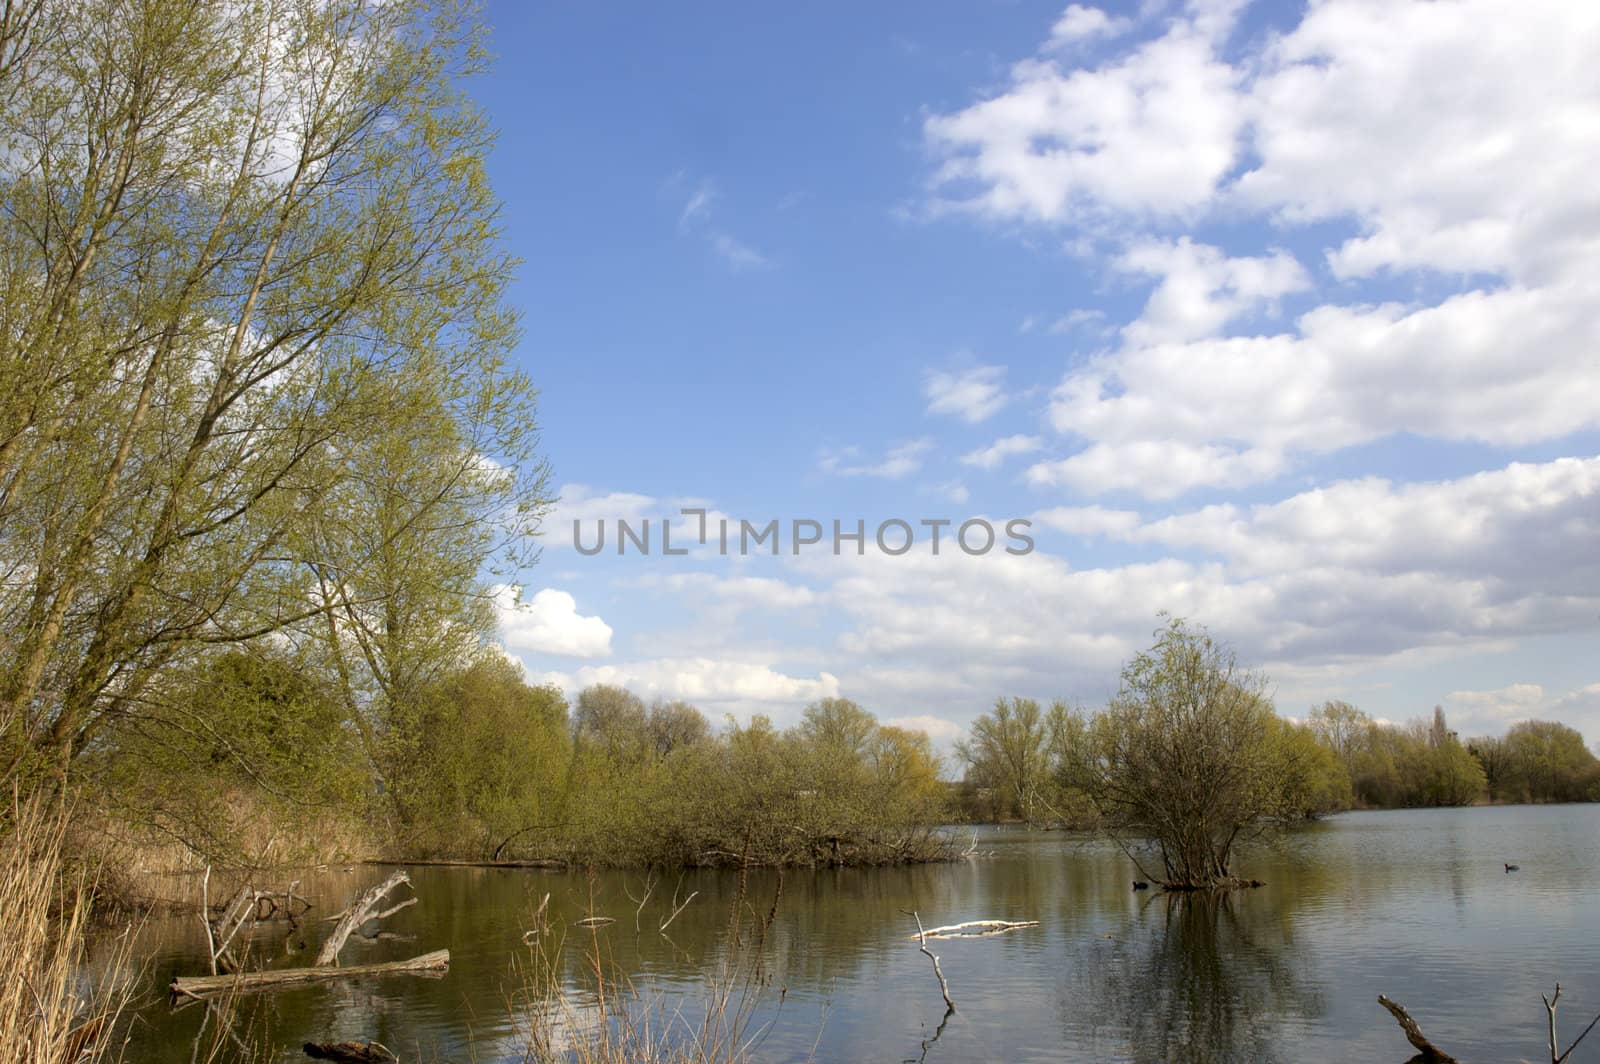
(51, 1010)
(600, 1016)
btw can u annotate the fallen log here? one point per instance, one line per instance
(202, 986)
(360, 912)
(960, 930)
(351, 1052)
(531, 862)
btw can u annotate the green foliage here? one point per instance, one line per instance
(1389, 767)
(1007, 759)
(481, 757)
(1538, 761)
(1189, 756)
(250, 746)
(254, 348)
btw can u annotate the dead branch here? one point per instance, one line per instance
(649, 889)
(201, 986)
(1550, 1007)
(359, 912)
(679, 909)
(944, 987)
(1414, 1035)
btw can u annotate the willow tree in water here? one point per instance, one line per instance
(253, 334)
(1187, 757)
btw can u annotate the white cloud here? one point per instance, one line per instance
(973, 395)
(938, 729)
(549, 623)
(1079, 23)
(1510, 704)
(997, 452)
(1463, 136)
(1356, 575)
(705, 681)
(1089, 521)
(698, 218)
(697, 210)
(739, 255)
(902, 460)
(1156, 469)
(1202, 289)
(759, 591)
(1152, 132)
(587, 508)
(1459, 143)
(1493, 711)
(1534, 522)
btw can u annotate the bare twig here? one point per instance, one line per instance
(944, 987)
(1550, 1007)
(649, 889)
(205, 916)
(665, 923)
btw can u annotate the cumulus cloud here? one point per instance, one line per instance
(1202, 288)
(1079, 23)
(1152, 132)
(1089, 520)
(1358, 573)
(1462, 136)
(1005, 447)
(973, 395)
(549, 623)
(1457, 141)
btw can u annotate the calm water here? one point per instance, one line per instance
(1413, 904)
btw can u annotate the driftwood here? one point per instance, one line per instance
(351, 1052)
(360, 911)
(1419, 1041)
(202, 986)
(991, 927)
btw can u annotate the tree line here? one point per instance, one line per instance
(1025, 762)
(481, 765)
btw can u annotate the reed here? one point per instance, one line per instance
(53, 1007)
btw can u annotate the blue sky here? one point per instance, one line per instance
(1280, 318)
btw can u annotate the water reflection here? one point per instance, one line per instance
(1416, 905)
(1200, 978)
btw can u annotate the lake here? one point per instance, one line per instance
(1414, 904)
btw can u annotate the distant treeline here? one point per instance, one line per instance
(1024, 762)
(478, 764)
